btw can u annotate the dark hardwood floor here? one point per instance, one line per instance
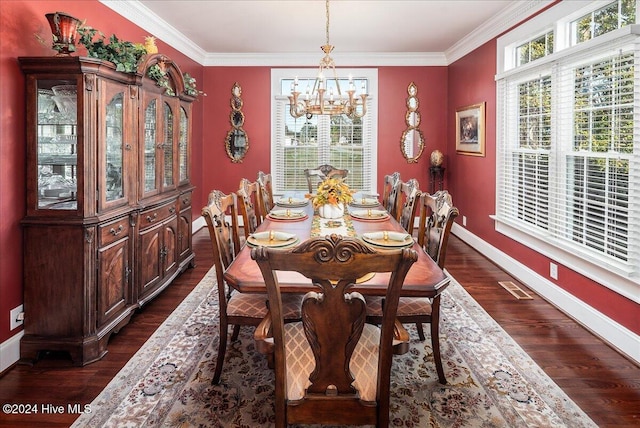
(601, 381)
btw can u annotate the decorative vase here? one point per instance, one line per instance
(63, 28)
(331, 210)
(437, 158)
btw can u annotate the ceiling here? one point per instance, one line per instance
(215, 32)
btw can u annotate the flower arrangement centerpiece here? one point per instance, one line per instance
(331, 197)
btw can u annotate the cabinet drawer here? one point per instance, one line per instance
(185, 201)
(113, 231)
(156, 215)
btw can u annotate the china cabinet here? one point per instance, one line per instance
(108, 218)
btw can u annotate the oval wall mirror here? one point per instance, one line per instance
(412, 144)
(236, 103)
(237, 118)
(413, 118)
(237, 141)
(412, 140)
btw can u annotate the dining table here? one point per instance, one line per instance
(424, 279)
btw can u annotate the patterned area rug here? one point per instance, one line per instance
(492, 382)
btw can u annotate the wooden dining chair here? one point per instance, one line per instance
(333, 368)
(391, 187)
(316, 175)
(234, 308)
(437, 214)
(265, 181)
(249, 206)
(407, 204)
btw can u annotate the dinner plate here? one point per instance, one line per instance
(369, 215)
(261, 239)
(287, 214)
(292, 202)
(285, 218)
(375, 239)
(365, 202)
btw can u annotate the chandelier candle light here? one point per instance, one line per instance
(316, 100)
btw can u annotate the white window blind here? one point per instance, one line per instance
(568, 152)
(301, 143)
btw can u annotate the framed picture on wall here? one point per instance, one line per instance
(470, 130)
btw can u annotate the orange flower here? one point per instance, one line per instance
(332, 191)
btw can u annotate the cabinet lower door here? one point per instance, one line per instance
(158, 255)
(169, 251)
(184, 233)
(150, 246)
(113, 280)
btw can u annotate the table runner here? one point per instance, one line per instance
(326, 226)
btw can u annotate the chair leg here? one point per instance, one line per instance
(222, 349)
(420, 330)
(435, 339)
(236, 332)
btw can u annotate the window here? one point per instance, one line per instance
(603, 20)
(568, 127)
(301, 143)
(536, 48)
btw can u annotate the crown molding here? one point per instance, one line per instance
(142, 16)
(311, 60)
(508, 18)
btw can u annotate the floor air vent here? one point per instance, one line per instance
(516, 291)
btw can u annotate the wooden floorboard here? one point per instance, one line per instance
(601, 381)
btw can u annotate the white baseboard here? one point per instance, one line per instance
(198, 224)
(617, 336)
(10, 351)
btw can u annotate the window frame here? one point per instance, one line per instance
(620, 277)
(369, 121)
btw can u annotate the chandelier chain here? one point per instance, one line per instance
(327, 24)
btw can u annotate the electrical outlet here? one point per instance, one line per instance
(553, 270)
(464, 220)
(16, 317)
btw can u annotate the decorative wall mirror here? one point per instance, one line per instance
(412, 141)
(237, 141)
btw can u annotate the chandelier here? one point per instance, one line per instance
(317, 100)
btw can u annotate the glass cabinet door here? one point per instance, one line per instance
(57, 139)
(168, 146)
(183, 146)
(114, 163)
(150, 141)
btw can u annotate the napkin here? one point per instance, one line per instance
(365, 201)
(277, 236)
(286, 201)
(393, 236)
(365, 213)
(283, 213)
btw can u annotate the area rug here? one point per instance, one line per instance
(492, 382)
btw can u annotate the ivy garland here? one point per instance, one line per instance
(127, 56)
(156, 73)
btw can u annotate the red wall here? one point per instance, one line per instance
(221, 173)
(20, 21)
(472, 182)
